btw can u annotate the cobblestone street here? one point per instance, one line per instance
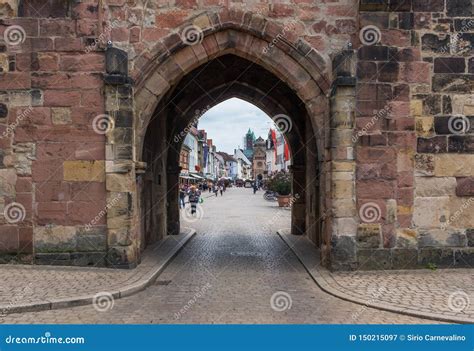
(228, 273)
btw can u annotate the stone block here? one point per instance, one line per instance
(424, 165)
(344, 226)
(57, 239)
(435, 186)
(428, 5)
(95, 259)
(461, 144)
(9, 239)
(8, 179)
(369, 235)
(464, 258)
(404, 258)
(407, 238)
(461, 212)
(122, 257)
(53, 259)
(453, 83)
(449, 65)
(343, 208)
(448, 125)
(342, 189)
(61, 115)
(470, 237)
(459, 8)
(416, 107)
(91, 241)
(435, 43)
(430, 212)
(440, 237)
(370, 259)
(441, 257)
(343, 252)
(79, 171)
(465, 186)
(449, 165)
(434, 145)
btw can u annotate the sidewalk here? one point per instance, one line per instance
(36, 288)
(442, 295)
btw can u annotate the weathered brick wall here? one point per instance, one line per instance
(401, 186)
(415, 165)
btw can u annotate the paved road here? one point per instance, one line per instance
(228, 273)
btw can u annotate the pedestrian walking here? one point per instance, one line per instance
(220, 189)
(255, 187)
(194, 195)
(182, 195)
(214, 189)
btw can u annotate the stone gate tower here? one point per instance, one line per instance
(377, 94)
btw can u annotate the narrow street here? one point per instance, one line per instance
(228, 273)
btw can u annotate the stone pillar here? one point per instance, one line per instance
(173, 206)
(298, 207)
(342, 172)
(122, 222)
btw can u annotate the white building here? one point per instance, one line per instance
(244, 166)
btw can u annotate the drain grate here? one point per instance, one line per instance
(163, 282)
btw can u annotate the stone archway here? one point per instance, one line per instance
(164, 91)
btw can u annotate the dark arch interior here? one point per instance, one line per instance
(207, 85)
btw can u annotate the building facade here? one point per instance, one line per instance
(259, 159)
(375, 99)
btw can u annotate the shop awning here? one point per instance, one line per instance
(195, 176)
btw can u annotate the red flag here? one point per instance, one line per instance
(286, 152)
(274, 141)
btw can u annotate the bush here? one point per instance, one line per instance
(280, 183)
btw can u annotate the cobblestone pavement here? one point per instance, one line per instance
(447, 292)
(235, 270)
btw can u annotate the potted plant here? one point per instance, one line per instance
(280, 183)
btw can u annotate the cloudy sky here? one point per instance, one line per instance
(228, 122)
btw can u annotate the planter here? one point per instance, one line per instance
(283, 200)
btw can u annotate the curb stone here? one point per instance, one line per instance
(322, 278)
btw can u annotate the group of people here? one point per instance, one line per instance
(217, 188)
(194, 192)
